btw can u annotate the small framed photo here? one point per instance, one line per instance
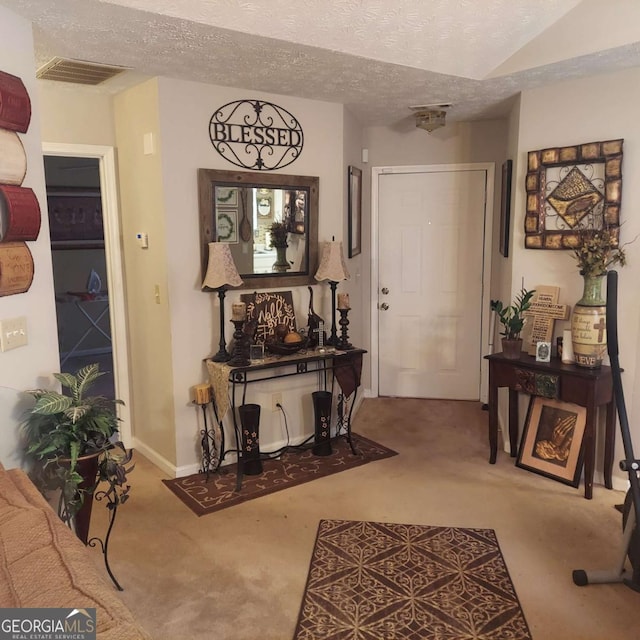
(226, 196)
(543, 351)
(552, 440)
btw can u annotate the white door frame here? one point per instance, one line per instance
(115, 271)
(376, 172)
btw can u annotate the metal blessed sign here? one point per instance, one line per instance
(254, 134)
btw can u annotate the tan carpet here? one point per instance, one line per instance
(239, 574)
(374, 580)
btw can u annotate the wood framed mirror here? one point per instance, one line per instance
(240, 207)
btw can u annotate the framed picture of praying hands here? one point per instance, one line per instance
(552, 440)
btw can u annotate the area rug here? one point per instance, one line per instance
(370, 581)
(292, 468)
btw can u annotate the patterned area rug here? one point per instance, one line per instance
(372, 581)
(292, 468)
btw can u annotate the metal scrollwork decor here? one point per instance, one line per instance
(571, 190)
(255, 134)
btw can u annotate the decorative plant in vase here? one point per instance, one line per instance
(513, 320)
(279, 242)
(598, 250)
(70, 437)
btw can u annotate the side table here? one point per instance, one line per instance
(590, 388)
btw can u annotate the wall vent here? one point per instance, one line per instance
(77, 71)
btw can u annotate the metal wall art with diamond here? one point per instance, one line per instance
(570, 190)
(255, 134)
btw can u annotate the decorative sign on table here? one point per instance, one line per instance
(254, 134)
(268, 310)
(541, 316)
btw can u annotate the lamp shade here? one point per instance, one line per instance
(332, 265)
(221, 269)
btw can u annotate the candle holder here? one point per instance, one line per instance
(343, 343)
(240, 355)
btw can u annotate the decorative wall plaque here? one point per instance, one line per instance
(19, 214)
(16, 268)
(254, 134)
(13, 159)
(15, 105)
(571, 190)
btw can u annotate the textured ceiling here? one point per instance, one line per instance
(376, 56)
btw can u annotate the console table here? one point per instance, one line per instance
(227, 381)
(590, 388)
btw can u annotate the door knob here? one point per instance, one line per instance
(385, 290)
(384, 306)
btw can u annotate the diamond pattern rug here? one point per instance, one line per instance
(376, 581)
(292, 468)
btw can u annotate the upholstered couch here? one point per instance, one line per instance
(43, 564)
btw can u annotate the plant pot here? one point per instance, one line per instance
(588, 325)
(511, 348)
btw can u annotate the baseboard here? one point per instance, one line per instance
(153, 456)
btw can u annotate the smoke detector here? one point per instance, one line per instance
(430, 116)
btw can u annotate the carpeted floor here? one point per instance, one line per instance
(373, 580)
(294, 467)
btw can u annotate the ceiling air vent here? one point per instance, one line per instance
(77, 71)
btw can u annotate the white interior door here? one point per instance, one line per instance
(430, 257)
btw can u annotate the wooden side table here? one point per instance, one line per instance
(590, 388)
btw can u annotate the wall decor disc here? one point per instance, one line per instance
(13, 159)
(254, 134)
(16, 268)
(19, 214)
(15, 105)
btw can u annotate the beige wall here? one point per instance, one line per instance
(74, 114)
(592, 109)
(30, 366)
(143, 209)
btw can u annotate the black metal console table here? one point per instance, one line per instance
(343, 367)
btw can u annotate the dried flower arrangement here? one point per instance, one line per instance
(598, 251)
(279, 234)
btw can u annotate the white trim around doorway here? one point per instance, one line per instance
(376, 172)
(115, 270)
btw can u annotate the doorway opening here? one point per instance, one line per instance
(88, 267)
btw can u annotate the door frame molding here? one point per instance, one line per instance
(376, 172)
(115, 269)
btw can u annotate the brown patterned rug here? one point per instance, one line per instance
(292, 468)
(373, 581)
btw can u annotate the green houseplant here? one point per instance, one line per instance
(512, 319)
(70, 437)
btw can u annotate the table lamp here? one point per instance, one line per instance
(334, 269)
(221, 274)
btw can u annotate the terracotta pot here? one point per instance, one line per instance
(511, 348)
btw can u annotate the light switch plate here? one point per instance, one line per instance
(13, 333)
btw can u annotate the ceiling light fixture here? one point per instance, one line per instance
(430, 116)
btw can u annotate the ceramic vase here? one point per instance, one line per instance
(588, 325)
(250, 422)
(281, 264)
(322, 411)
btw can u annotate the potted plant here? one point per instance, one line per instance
(513, 319)
(278, 241)
(71, 439)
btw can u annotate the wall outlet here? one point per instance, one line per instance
(13, 333)
(276, 399)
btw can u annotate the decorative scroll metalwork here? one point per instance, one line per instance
(255, 134)
(571, 190)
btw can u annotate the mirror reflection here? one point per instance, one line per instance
(268, 221)
(265, 228)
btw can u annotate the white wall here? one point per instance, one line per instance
(592, 109)
(30, 366)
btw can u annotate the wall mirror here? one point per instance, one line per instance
(240, 207)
